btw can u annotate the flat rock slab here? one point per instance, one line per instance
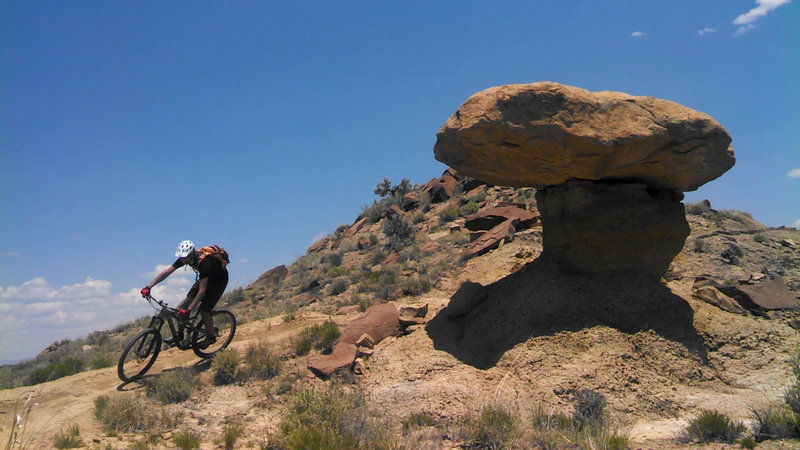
(543, 134)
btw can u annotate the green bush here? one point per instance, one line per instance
(231, 432)
(260, 362)
(470, 208)
(415, 286)
(69, 438)
(449, 212)
(713, 426)
(776, 422)
(174, 386)
(320, 337)
(589, 406)
(339, 285)
(186, 440)
(492, 427)
(330, 419)
(399, 230)
(55, 370)
(100, 361)
(127, 414)
(418, 420)
(224, 364)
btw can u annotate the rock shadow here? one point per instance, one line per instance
(540, 300)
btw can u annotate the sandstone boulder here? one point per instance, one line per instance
(768, 295)
(442, 188)
(488, 218)
(544, 134)
(378, 323)
(273, 276)
(492, 239)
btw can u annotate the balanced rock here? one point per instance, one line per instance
(543, 134)
(610, 169)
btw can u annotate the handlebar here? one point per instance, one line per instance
(150, 298)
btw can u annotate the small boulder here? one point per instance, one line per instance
(492, 239)
(488, 218)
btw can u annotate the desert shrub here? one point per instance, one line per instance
(470, 208)
(231, 432)
(235, 296)
(284, 386)
(399, 230)
(700, 246)
(775, 422)
(185, 440)
(377, 257)
(224, 364)
(449, 212)
(339, 285)
(70, 365)
(320, 337)
(736, 215)
(698, 208)
(713, 426)
(480, 197)
(418, 420)
(174, 386)
(562, 431)
(376, 211)
(761, 238)
(260, 362)
(127, 414)
(334, 259)
(589, 406)
(415, 286)
(409, 254)
(365, 303)
(493, 426)
(330, 419)
(335, 272)
(100, 361)
(69, 438)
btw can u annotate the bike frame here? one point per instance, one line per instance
(180, 330)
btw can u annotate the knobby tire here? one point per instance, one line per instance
(225, 323)
(139, 355)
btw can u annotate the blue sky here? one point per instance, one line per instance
(126, 127)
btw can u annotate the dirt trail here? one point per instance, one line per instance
(70, 400)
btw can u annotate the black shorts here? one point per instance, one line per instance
(214, 290)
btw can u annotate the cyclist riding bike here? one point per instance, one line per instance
(209, 263)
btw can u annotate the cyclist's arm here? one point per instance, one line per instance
(201, 293)
(160, 277)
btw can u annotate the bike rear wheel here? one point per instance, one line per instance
(139, 355)
(225, 327)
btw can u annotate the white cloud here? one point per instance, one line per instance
(36, 313)
(637, 34)
(793, 173)
(746, 21)
(706, 30)
(796, 223)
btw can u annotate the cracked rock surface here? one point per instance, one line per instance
(544, 134)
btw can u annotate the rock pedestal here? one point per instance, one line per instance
(611, 228)
(610, 169)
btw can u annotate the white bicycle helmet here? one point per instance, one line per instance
(185, 248)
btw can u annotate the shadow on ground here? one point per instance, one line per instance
(539, 300)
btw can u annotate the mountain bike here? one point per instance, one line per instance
(142, 351)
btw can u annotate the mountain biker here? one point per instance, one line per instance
(212, 279)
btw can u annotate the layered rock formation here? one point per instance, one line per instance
(609, 168)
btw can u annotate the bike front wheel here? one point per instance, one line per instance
(224, 329)
(139, 355)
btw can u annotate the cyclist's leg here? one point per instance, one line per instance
(214, 292)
